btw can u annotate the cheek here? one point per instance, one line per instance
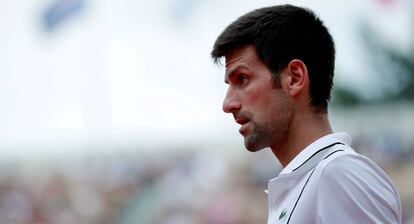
(257, 96)
(260, 97)
(262, 106)
(273, 105)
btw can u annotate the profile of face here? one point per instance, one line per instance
(262, 110)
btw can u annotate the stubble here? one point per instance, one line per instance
(270, 133)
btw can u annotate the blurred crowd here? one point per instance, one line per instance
(165, 187)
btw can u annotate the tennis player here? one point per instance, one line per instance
(279, 70)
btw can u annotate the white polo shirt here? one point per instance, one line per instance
(328, 182)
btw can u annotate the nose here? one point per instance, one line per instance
(230, 103)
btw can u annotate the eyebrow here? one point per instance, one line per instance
(230, 73)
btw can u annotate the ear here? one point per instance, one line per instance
(297, 79)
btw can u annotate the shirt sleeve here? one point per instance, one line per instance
(354, 190)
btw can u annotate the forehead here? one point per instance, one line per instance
(246, 55)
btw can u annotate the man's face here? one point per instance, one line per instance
(263, 111)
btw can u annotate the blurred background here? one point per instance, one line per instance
(111, 110)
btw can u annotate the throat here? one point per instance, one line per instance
(295, 144)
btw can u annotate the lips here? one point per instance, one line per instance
(244, 129)
(244, 122)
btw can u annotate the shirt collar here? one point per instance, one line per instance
(322, 142)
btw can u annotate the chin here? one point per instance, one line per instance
(252, 147)
(254, 150)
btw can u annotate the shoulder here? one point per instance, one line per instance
(355, 185)
(354, 171)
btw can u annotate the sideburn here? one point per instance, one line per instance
(276, 81)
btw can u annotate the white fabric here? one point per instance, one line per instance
(332, 185)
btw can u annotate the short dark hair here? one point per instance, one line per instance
(280, 34)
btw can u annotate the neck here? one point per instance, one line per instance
(304, 130)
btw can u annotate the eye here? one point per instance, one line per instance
(242, 78)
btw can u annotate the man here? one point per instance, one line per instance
(279, 70)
